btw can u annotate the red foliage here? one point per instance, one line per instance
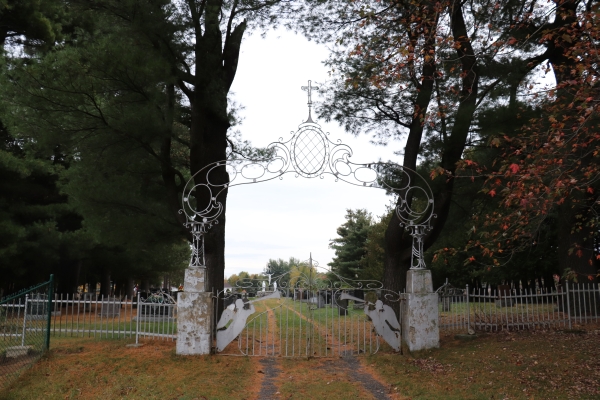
(554, 161)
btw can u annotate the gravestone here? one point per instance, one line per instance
(88, 298)
(317, 300)
(560, 306)
(37, 306)
(157, 310)
(504, 299)
(246, 301)
(359, 294)
(111, 307)
(446, 301)
(342, 306)
(18, 351)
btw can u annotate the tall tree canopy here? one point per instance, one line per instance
(546, 171)
(141, 101)
(428, 72)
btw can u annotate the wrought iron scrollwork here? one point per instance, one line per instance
(308, 153)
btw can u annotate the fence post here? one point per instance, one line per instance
(568, 302)
(49, 319)
(213, 328)
(467, 310)
(137, 320)
(24, 320)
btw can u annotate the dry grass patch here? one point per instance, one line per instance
(88, 369)
(314, 379)
(524, 365)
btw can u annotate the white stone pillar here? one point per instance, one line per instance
(420, 329)
(194, 314)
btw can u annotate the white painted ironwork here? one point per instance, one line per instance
(308, 315)
(233, 319)
(518, 309)
(311, 154)
(81, 315)
(384, 320)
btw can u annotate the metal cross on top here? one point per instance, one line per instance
(309, 89)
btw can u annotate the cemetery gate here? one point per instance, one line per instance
(309, 311)
(306, 312)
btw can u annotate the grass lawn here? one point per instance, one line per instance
(524, 365)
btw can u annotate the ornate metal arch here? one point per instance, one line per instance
(309, 153)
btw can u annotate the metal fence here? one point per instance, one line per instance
(91, 315)
(24, 329)
(518, 309)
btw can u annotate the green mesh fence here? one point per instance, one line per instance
(24, 329)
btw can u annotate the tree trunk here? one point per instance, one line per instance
(209, 145)
(105, 282)
(398, 243)
(129, 288)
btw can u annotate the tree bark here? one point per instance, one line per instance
(398, 242)
(105, 282)
(216, 65)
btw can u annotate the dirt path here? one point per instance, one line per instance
(323, 332)
(290, 378)
(345, 377)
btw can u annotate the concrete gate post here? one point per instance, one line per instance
(420, 329)
(194, 314)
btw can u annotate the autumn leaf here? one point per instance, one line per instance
(514, 168)
(492, 192)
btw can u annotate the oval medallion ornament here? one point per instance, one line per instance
(310, 151)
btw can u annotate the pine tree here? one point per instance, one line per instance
(350, 246)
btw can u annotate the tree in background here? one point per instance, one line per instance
(372, 264)
(40, 233)
(33, 23)
(280, 269)
(83, 109)
(543, 175)
(431, 72)
(39, 230)
(303, 276)
(178, 59)
(349, 247)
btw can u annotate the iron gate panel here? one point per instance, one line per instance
(310, 317)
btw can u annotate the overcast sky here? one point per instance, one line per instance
(293, 216)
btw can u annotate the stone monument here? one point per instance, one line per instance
(195, 303)
(420, 329)
(194, 314)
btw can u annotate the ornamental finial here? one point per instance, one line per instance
(309, 89)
